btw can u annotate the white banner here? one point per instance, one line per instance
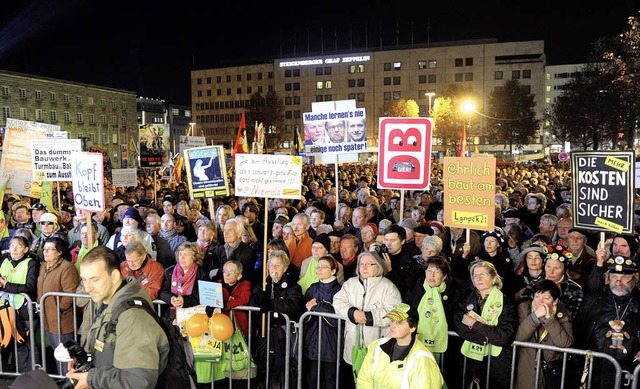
(273, 176)
(51, 158)
(124, 177)
(88, 181)
(190, 142)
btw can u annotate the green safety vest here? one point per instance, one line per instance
(15, 275)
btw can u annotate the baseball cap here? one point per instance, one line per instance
(39, 207)
(399, 313)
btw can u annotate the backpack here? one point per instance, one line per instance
(180, 371)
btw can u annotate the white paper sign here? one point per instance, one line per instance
(51, 158)
(190, 142)
(273, 176)
(88, 181)
(124, 177)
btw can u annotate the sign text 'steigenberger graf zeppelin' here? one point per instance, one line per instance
(325, 61)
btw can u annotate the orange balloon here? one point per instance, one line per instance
(220, 326)
(197, 325)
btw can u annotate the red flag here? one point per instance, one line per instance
(241, 146)
(462, 147)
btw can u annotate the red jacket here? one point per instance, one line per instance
(150, 276)
(235, 296)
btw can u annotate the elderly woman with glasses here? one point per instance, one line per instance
(487, 320)
(140, 265)
(363, 302)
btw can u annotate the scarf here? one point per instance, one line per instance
(168, 234)
(433, 332)
(310, 276)
(490, 313)
(181, 282)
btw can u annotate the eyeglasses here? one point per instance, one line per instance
(16, 246)
(367, 264)
(434, 272)
(480, 276)
(324, 267)
(229, 272)
(46, 223)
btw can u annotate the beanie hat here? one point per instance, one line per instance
(632, 241)
(133, 214)
(373, 227)
(324, 240)
(495, 234)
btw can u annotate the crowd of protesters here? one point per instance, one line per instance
(358, 251)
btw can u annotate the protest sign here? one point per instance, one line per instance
(206, 172)
(603, 190)
(51, 158)
(190, 142)
(335, 132)
(124, 177)
(273, 176)
(154, 145)
(469, 192)
(88, 181)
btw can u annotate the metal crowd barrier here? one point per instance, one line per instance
(32, 337)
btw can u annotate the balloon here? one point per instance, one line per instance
(220, 326)
(197, 325)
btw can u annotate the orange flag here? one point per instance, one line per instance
(462, 147)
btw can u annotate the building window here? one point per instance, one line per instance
(288, 115)
(66, 98)
(352, 69)
(387, 67)
(458, 77)
(318, 71)
(38, 95)
(432, 64)
(91, 102)
(319, 98)
(54, 116)
(351, 96)
(422, 64)
(287, 86)
(515, 74)
(361, 68)
(199, 93)
(327, 85)
(199, 81)
(397, 65)
(396, 80)
(296, 86)
(260, 89)
(458, 62)
(67, 117)
(259, 76)
(287, 73)
(270, 75)
(431, 79)
(468, 62)
(239, 91)
(228, 91)
(397, 95)
(6, 112)
(498, 75)
(219, 79)
(319, 84)
(526, 74)
(22, 93)
(248, 76)
(23, 114)
(92, 118)
(296, 100)
(386, 81)
(296, 72)
(103, 119)
(249, 90)
(288, 100)
(80, 117)
(219, 92)
(422, 79)
(5, 91)
(360, 82)
(103, 103)
(114, 105)
(328, 98)
(79, 100)
(53, 97)
(114, 121)
(351, 83)
(468, 76)
(124, 121)
(229, 78)
(387, 96)
(360, 97)
(296, 114)
(238, 77)
(327, 70)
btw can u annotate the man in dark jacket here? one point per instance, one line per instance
(234, 248)
(610, 322)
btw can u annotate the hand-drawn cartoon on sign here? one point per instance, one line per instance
(207, 172)
(603, 190)
(154, 145)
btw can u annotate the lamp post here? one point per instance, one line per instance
(430, 96)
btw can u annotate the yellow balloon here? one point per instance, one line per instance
(197, 325)
(220, 326)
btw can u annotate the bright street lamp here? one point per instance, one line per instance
(468, 106)
(430, 95)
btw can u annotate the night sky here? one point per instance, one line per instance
(151, 46)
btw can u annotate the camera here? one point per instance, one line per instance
(382, 249)
(67, 352)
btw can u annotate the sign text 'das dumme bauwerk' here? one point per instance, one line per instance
(603, 190)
